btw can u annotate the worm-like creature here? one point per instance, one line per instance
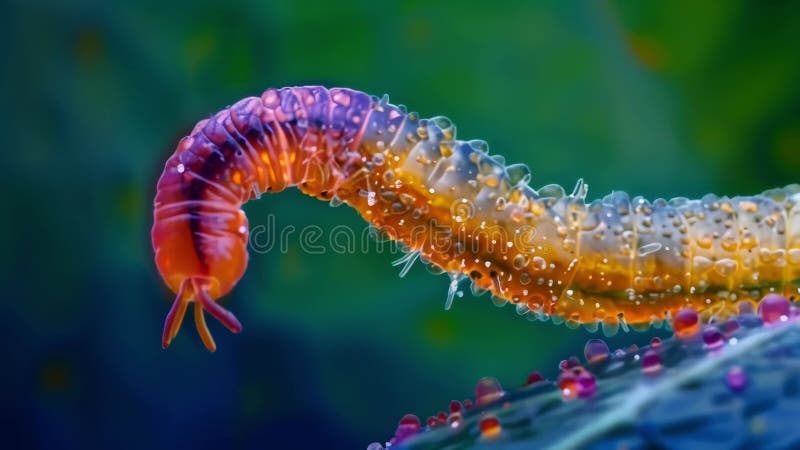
(612, 262)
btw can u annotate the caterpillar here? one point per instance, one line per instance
(614, 262)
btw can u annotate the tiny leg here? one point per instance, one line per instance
(202, 302)
(175, 317)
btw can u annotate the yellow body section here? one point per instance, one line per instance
(613, 261)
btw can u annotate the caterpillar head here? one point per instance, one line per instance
(201, 252)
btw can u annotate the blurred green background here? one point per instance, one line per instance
(661, 99)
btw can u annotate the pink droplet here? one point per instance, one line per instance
(410, 420)
(577, 382)
(736, 379)
(651, 362)
(712, 338)
(774, 308)
(686, 323)
(455, 406)
(488, 390)
(408, 426)
(454, 420)
(655, 342)
(432, 422)
(596, 351)
(534, 377)
(729, 327)
(568, 364)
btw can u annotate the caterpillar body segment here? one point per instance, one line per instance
(641, 261)
(615, 261)
(306, 137)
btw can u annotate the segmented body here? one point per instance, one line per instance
(613, 261)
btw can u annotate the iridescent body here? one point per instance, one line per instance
(613, 261)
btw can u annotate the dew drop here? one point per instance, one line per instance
(408, 426)
(591, 327)
(650, 248)
(488, 390)
(701, 263)
(378, 159)
(704, 242)
(432, 422)
(568, 364)
(729, 327)
(736, 379)
(728, 242)
(499, 301)
(533, 378)
(794, 256)
(539, 263)
(479, 145)
(651, 362)
(610, 326)
(552, 191)
(686, 323)
(725, 267)
(490, 427)
(596, 351)
(576, 383)
(518, 173)
(454, 420)
(774, 308)
(712, 338)
(410, 420)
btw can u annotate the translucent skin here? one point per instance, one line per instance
(613, 262)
